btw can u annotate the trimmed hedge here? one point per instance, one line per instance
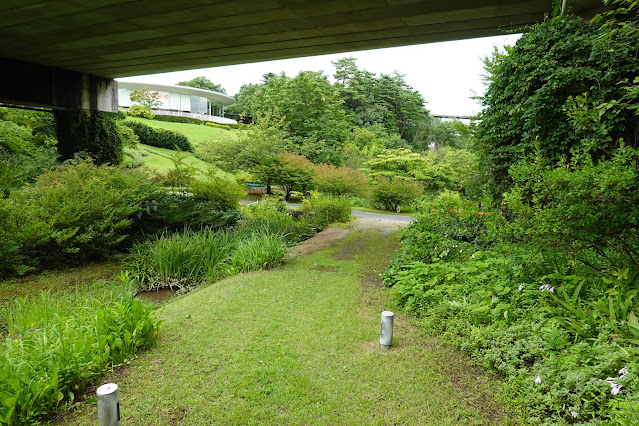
(159, 137)
(178, 119)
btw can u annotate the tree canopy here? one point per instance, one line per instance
(203, 83)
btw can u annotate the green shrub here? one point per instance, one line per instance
(217, 125)
(15, 139)
(71, 214)
(141, 111)
(174, 212)
(128, 136)
(159, 137)
(17, 170)
(223, 194)
(340, 181)
(392, 194)
(323, 210)
(178, 119)
(132, 158)
(55, 349)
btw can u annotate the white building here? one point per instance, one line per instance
(181, 101)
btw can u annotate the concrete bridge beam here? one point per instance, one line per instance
(29, 84)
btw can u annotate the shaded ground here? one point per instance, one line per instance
(300, 345)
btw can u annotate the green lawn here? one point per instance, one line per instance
(159, 159)
(196, 133)
(299, 345)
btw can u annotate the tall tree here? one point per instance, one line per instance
(203, 83)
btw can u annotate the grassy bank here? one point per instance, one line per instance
(299, 345)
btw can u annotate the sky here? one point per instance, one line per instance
(447, 74)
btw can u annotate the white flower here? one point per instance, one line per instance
(460, 250)
(521, 287)
(473, 256)
(548, 288)
(493, 298)
(623, 373)
(538, 380)
(616, 387)
(574, 414)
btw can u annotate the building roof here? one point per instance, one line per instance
(183, 90)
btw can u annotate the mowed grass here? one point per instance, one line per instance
(159, 160)
(195, 133)
(299, 345)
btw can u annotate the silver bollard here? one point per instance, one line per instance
(108, 405)
(386, 337)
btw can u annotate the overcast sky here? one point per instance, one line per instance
(447, 74)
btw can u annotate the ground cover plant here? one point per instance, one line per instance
(54, 347)
(540, 285)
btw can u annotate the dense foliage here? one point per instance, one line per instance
(161, 138)
(203, 83)
(74, 213)
(93, 135)
(142, 111)
(314, 118)
(554, 67)
(543, 289)
(54, 347)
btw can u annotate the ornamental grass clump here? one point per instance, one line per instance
(54, 347)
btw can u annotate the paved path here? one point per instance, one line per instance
(382, 216)
(357, 213)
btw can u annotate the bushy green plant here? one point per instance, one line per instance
(141, 111)
(17, 170)
(340, 181)
(189, 258)
(54, 350)
(256, 252)
(161, 138)
(392, 194)
(322, 210)
(128, 136)
(76, 212)
(223, 194)
(174, 212)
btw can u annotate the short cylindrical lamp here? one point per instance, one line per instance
(386, 337)
(108, 405)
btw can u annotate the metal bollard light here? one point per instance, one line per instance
(108, 405)
(386, 337)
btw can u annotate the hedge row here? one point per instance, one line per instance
(159, 137)
(178, 119)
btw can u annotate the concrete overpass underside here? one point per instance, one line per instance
(65, 53)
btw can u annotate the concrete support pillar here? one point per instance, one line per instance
(26, 84)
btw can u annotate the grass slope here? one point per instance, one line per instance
(299, 345)
(196, 133)
(159, 159)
